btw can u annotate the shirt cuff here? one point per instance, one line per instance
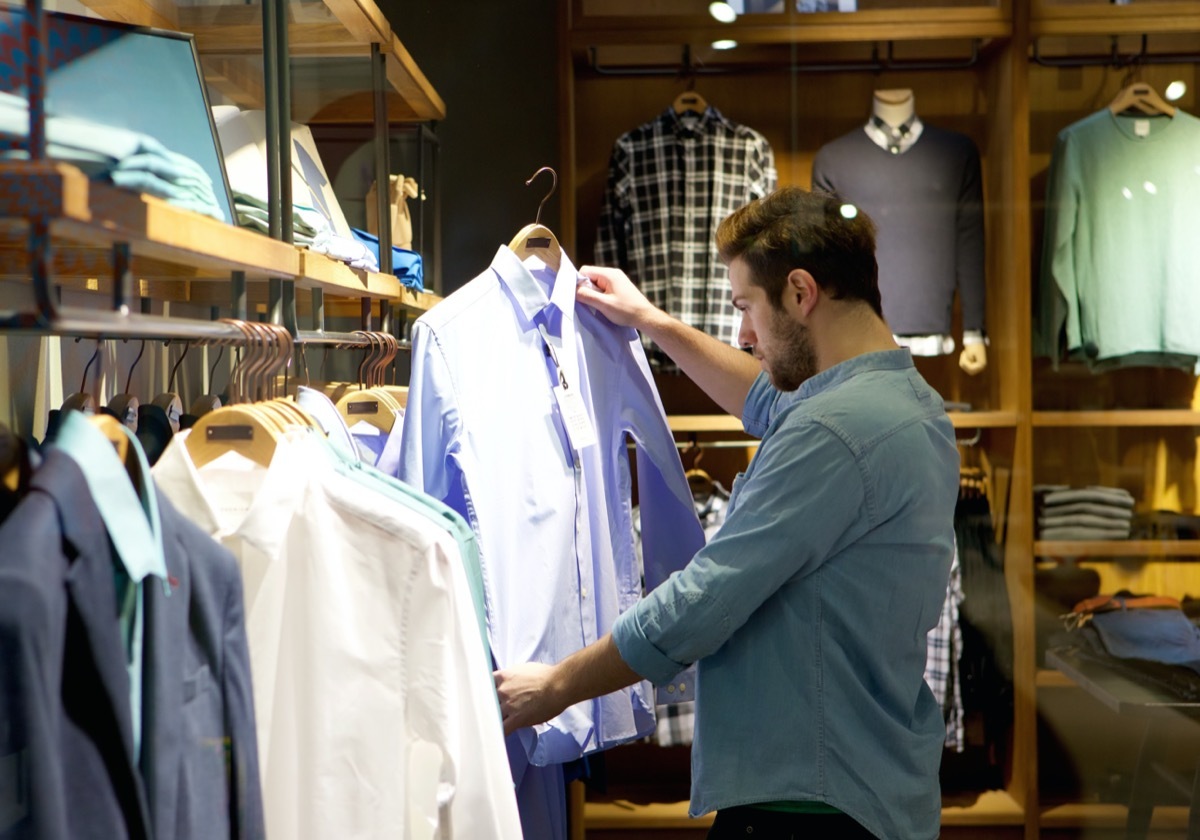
(973, 337)
(639, 652)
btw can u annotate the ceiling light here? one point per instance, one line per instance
(722, 11)
(1176, 90)
(724, 44)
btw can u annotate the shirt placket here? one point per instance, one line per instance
(565, 364)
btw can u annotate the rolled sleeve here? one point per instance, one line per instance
(639, 653)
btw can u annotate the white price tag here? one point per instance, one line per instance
(575, 416)
(1141, 128)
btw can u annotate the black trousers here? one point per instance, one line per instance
(745, 823)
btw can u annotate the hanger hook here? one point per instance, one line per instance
(212, 371)
(187, 345)
(129, 378)
(88, 367)
(553, 186)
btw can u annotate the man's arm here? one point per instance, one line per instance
(534, 693)
(723, 372)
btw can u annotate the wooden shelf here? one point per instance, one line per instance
(168, 243)
(1095, 815)
(729, 423)
(1117, 548)
(1051, 678)
(991, 808)
(1128, 417)
(822, 27)
(1148, 18)
(983, 419)
(704, 423)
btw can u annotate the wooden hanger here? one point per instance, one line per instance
(114, 430)
(537, 240)
(689, 102)
(370, 404)
(1142, 97)
(14, 462)
(701, 483)
(246, 429)
(236, 428)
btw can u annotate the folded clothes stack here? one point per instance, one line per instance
(126, 158)
(1083, 513)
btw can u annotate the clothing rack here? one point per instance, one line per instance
(1113, 58)
(876, 64)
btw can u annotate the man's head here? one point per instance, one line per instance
(815, 231)
(785, 251)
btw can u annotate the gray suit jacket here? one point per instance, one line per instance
(65, 725)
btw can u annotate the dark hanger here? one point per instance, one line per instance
(81, 400)
(124, 406)
(169, 401)
(207, 402)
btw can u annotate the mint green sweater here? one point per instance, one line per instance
(1120, 266)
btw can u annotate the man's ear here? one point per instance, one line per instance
(802, 292)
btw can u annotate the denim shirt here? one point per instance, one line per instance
(808, 611)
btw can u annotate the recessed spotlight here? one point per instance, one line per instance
(1176, 90)
(724, 44)
(722, 11)
(848, 211)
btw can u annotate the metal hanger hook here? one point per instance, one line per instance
(553, 186)
(88, 367)
(129, 377)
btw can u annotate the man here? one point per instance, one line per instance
(808, 610)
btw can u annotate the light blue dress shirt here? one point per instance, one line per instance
(808, 611)
(484, 433)
(130, 516)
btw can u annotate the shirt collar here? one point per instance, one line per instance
(266, 522)
(530, 296)
(325, 412)
(692, 125)
(130, 513)
(839, 373)
(896, 140)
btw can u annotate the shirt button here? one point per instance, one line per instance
(583, 592)
(670, 689)
(683, 686)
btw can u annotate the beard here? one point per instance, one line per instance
(795, 360)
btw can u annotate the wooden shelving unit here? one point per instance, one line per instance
(1025, 105)
(181, 255)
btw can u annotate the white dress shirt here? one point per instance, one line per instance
(376, 712)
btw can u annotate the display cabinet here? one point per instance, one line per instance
(1010, 75)
(342, 62)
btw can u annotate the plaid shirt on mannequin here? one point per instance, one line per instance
(671, 181)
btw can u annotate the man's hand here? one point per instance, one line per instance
(616, 298)
(527, 695)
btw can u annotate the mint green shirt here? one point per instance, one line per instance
(130, 516)
(1120, 278)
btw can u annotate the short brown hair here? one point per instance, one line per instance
(794, 228)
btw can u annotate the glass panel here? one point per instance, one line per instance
(124, 103)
